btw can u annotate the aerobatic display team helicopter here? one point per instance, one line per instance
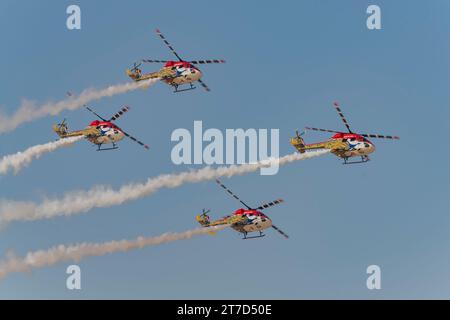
(243, 220)
(99, 132)
(174, 73)
(342, 144)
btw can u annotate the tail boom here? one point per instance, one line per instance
(335, 146)
(137, 76)
(62, 132)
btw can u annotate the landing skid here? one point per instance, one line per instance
(114, 147)
(181, 90)
(253, 237)
(364, 159)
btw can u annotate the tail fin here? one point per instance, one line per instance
(61, 129)
(204, 221)
(133, 75)
(298, 142)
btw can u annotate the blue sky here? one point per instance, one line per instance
(286, 63)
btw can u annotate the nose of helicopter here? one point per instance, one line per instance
(370, 147)
(195, 74)
(266, 221)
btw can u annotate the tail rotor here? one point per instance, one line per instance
(298, 141)
(203, 218)
(61, 128)
(135, 73)
(136, 65)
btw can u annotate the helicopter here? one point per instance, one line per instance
(174, 73)
(99, 132)
(345, 145)
(243, 220)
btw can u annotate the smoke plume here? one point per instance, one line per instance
(77, 252)
(76, 202)
(17, 161)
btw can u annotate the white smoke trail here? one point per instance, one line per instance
(29, 111)
(76, 202)
(22, 159)
(62, 253)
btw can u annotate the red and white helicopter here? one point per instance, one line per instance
(243, 220)
(99, 132)
(174, 73)
(342, 144)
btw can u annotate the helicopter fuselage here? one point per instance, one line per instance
(343, 145)
(357, 145)
(254, 221)
(108, 133)
(180, 72)
(174, 73)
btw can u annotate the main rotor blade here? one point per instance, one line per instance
(232, 194)
(280, 231)
(154, 61)
(204, 85)
(336, 105)
(380, 136)
(206, 61)
(119, 113)
(95, 113)
(270, 204)
(168, 44)
(135, 140)
(319, 129)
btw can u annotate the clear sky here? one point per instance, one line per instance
(287, 61)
